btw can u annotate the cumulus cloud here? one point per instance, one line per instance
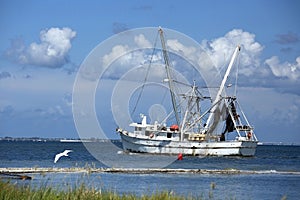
(218, 50)
(212, 53)
(189, 59)
(176, 46)
(122, 58)
(141, 41)
(126, 61)
(284, 70)
(221, 49)
(266, 73)
(116, 52)
(52, 50)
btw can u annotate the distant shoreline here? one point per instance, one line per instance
(38, 139)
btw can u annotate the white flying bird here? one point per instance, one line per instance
(65, 153)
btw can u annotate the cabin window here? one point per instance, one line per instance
(169, 135)
(138, 128)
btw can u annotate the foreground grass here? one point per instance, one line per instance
(9, 191)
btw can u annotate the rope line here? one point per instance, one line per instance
(146, 77)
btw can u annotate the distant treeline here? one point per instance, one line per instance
(38, 139)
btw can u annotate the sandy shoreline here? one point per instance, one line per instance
(142, 171)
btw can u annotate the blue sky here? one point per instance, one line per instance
(36, 90)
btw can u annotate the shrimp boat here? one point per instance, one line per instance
(195, 132)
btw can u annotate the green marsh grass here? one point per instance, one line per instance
(10, 191)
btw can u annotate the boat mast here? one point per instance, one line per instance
(170, 80)
(219, 97)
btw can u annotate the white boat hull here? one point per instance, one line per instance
(192, 148)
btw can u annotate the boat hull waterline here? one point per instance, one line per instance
(189, 148)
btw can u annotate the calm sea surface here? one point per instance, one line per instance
(270, 160)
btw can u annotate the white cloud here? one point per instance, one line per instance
(286, 69)
(123, 58)
(118, 55)
(113, 64)
(221, 49)
(116, 52)
(142, 42)
(216, 53)
(176, 46)
(130, 62)
(120, 60)
(52, 51)
(210, 55)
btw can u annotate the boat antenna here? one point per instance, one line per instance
(170, 80)
(146, 77)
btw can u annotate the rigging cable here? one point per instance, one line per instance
(146, 77)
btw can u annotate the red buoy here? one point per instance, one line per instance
(180, 156)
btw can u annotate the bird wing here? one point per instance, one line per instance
(66, 152)
(57, 156)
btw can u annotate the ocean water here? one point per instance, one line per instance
(278, 167)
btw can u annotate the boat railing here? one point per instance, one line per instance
(197, 137)
(243, 128)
